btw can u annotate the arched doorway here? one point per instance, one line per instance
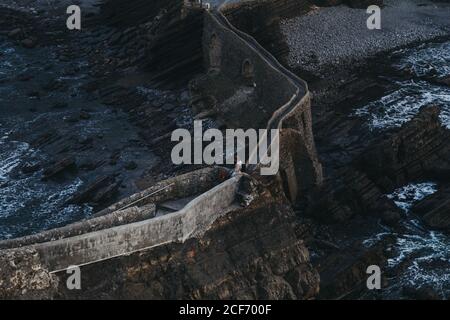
(247, 69)
(215, 53)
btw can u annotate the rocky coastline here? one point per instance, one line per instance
(112, 139)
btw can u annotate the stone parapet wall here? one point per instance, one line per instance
(181, 186)
(191, 221)
(129, 215)
(267, 85)
(262, 94)
(138, 207)
(276, 98)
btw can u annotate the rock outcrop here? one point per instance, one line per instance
(261, 19)
(362, 4)
(417, 152)
(161, 36)
(435, 209)
(22, 276)
(252, 253)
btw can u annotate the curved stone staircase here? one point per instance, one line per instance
(194, 219)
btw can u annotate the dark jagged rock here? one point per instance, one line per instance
(45, 138)
(53, 85)
(106, 194)
(444, 81)
(29, 43)
(84, 115)
(134, 12)
(261, 20)
(60, 105)
(92, 165)
(131, 165)
(59, 168)
(29, 168)
(391, 218)
(418, 151)
(22, 276)
(353, 193)
(98, 191)
(177, 51)
(247, 254)
(16, 33)
(363, 4)
(344, 272)
(257, 252)
(435, 209)
(424, 293)
(327, 3)
(160, 36)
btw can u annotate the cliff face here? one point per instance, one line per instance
(133, 12)
(22, 276)
(161, 35)
(252, 253)
(261, 20)
(418, 151)
(435, 209)
(355, 201)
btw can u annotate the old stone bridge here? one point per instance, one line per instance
(247, 88)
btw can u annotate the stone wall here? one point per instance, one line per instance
(241, 99)
(298, 156)
(251, 90)
(137, 207)
(120, 217)
(261, 20)
(192, 220)
(130, 225)
(246, 87)
(250, 253)
(181, 186)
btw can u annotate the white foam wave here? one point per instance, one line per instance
(430, 60)
(10, 156)
(400, 106)
(424, 252)
(405, 197)
(26, 204)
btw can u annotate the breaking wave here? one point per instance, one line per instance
(400, 106)
(426, 61)
(421, 255)
(405, 197)
(26, 204)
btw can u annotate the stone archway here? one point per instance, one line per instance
(215, 53)
(304, 123)
(247, 69)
